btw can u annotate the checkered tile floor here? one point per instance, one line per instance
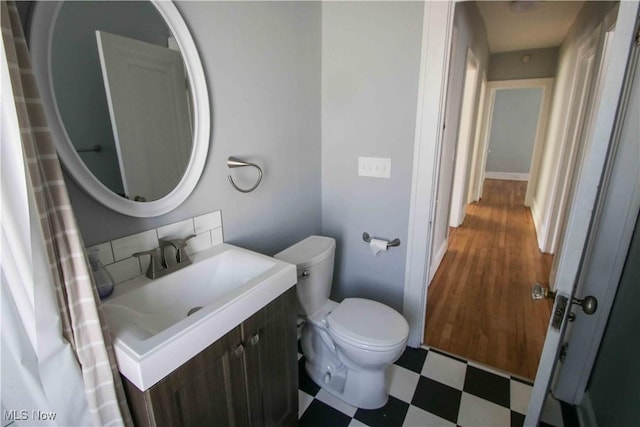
(429, 388)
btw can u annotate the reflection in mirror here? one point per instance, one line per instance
(69, 76)
(132, 127)
(147, 95)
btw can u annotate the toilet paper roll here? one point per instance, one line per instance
(377, 246)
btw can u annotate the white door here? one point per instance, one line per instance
(147, 96)
(464, 145)
(581, 214)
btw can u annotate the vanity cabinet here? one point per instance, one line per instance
(249, 377)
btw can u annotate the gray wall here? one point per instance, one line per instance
(265, 64)
(513, 129)
(262, 65)
(77, 76)
(613, 387)
(509, 65)
(370, 66)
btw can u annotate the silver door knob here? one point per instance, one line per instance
(589, 304)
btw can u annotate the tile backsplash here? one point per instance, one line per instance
(117, 255)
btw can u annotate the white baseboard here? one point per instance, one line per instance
(539, 226)
(586, 416)
(507, 176)
(437, 259)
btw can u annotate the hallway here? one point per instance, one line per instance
(479, 305)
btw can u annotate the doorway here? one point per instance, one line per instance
(497, 323)
(492, 257)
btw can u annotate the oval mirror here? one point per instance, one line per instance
(127, 104)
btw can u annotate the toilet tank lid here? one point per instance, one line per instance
(309, 251)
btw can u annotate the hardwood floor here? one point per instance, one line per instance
(479, 304)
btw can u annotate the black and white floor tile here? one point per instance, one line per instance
(429, 388)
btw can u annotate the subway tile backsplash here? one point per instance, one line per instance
(178, 230)
(209, 221)
(124, 247)
(117, 255)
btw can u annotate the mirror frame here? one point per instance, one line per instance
(43, 21)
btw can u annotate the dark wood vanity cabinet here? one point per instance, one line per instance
(249, 377)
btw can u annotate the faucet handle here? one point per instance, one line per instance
(179, 245)
(155, 264)
(183, 242)
(181, 255)
(176, 243)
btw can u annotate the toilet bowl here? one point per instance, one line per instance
(348, 346)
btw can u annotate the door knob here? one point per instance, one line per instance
(589, 303)
(540, 292)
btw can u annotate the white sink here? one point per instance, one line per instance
(149, 319)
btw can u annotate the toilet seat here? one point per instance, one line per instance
(368, 324)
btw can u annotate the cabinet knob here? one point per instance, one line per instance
(237, 352)
(255, 339)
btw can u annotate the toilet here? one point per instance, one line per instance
(348, 346)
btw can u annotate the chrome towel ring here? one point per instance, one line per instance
(233, 162)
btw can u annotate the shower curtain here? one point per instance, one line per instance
(57, 356)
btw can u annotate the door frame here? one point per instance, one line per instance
(581, 242)
(550, 222)
(437, 28)
(547, 86)
(616, 215)
(479, 149)
(465, 139)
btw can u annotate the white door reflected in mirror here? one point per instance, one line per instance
(148, 105)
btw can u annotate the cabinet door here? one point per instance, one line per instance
(271, 359)
(208, 390)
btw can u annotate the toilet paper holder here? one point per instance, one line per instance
(367, 238)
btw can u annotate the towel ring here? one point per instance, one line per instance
(232, 163)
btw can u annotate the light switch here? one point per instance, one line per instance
(374, 166)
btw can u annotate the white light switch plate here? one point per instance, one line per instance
(374, 166)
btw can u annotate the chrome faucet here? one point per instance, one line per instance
(155, 264)
(161, 263)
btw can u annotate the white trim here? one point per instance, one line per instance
(436, 259)
(478, 161)
(586, 415)
(42, 26)
(465, 139)
(547, 85)
(507, 176)
(434, 66)
(538, 225)
(581, 108)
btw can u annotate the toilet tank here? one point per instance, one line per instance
(313, 257)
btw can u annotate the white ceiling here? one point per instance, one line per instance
(545, 26)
